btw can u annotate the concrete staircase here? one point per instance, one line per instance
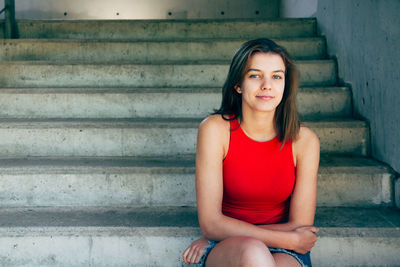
(97, 141)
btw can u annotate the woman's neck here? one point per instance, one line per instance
(258, 126)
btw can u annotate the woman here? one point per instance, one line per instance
(256, 168)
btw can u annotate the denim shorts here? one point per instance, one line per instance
(303, 259)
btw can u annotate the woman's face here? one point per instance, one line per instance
(263, 82)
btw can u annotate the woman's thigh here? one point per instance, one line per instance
(282, 259)
(240, 251)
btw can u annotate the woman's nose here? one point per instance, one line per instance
(266, 84)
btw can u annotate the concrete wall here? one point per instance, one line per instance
(1, 7)
(298, 8)
(364, 36)
(144, 9)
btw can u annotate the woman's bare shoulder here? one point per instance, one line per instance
(214, 123)
(306, 139)
(214, 133)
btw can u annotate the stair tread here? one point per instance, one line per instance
(152, 63)
(151, 122)
(145, 136)
(132, 102)
(146, 50)
(175, 40)
(177, 162)
(158, 236)
(186, 21)
(113, 90)
(335, 218)
(159, 73)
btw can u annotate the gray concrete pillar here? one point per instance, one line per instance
(10, 27)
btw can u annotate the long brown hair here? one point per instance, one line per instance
(286, 119)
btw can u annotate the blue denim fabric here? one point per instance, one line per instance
(303, 259)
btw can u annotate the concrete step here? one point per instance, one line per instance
(321, 102)
(143, 137)
(164, 74)
(144, 51)
(166, 29)
(158, 236)
(167, 181)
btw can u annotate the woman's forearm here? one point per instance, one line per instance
(226, 227)
(286, 227)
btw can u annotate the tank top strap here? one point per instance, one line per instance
(234, 124)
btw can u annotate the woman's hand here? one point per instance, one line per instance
(304, 238)
(195, 251)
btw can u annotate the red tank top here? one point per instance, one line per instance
(258, 179)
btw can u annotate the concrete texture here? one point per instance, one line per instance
(94, 246)
(298, 8)
(164, 74)
(364, 37)
(167, 29)
(99, 217)
(321, 102)
(145, 137)
(345, 136)
(141, 51)
(165, 181)
(368, 186)
(148, 162)
(315, 102)
(359, 250)
(330, 218)
(147, 247)
(149, 9)
(61, 241)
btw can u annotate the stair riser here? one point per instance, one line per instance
(190, 104)
(79, 51)
(98, 189)
(84, 250)
(169, 187)
(357, 251)
(18, 141)
(335, 103)
(343, 140)
(77, 75)
(161, 30)
(124, 247)
(367, 189)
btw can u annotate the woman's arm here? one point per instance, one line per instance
(304, 197)
(306, 150)
(212, 145)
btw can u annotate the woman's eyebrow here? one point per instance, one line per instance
(260, 70)
(252, 70)
(279, 71)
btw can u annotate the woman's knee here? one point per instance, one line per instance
(240, 251)
(253, 252)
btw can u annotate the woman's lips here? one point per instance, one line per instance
(265, 97)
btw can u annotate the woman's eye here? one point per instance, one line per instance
(254, 76)
(277, 77)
